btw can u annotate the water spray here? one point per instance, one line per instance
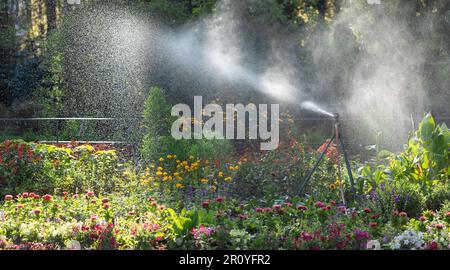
(337, 135)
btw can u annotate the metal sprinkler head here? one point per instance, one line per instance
(336, 116)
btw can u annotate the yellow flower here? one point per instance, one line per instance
(236, 167)
(220, 174)
(178, 161)
(205, 181)
(160, 169)
(332, 186)
(231, 168)
(191, 157)
(158, 173)
(179, 185)
(161, 159)
(176, 174)
(213, 188)
(228, 179)
(179, 178)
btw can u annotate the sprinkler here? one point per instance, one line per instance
(337, 135)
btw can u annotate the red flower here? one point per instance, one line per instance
(367, 210)
(150, 199)
(154, 204)
(205, 204)
(402, 214)
(37, 211)
(376, 216)
(219, 199)
(47, 197)
(32, 194)
(422, 218)
(29, 153)
(395, 213)
(93, 201)
(433, 246)
(9, 197)
(19, 206)
(302, 207)
(75, 196)
(373, 224)
(328, 207)
(65, 193)
(36, 197)
(20, 151)
(332, 202)
(90, 193)
(106, 206)
(259, 210)
(439, 226)
(105, 200)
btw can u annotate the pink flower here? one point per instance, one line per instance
(259, 210)
(439, 226)
(47, 197)
(150, 199)
(373, 224)
(219, 199)
(422, 218)
(367, 210)
(306, 236)
(36, 197)
(402, 214)
(276, 207)
(37, 211)
(302, 207)
(9, 197)
(106, 206)
(65, 193)
(25, 195)
(332, 202)
(288, 204)
(90, 193)
(94, 217)
(19, 206)
(105, 200)
(32, 194)
(319, 204)
(75, 196)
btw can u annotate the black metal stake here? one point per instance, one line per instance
(347, 162)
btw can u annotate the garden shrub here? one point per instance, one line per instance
(158, 141)
(438, 195)
(46, 168)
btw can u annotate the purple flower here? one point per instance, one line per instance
(382, 186)
(360, 235)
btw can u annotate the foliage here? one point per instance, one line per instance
(415, 179)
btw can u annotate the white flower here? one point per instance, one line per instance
(74, 245)
(373, 245)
